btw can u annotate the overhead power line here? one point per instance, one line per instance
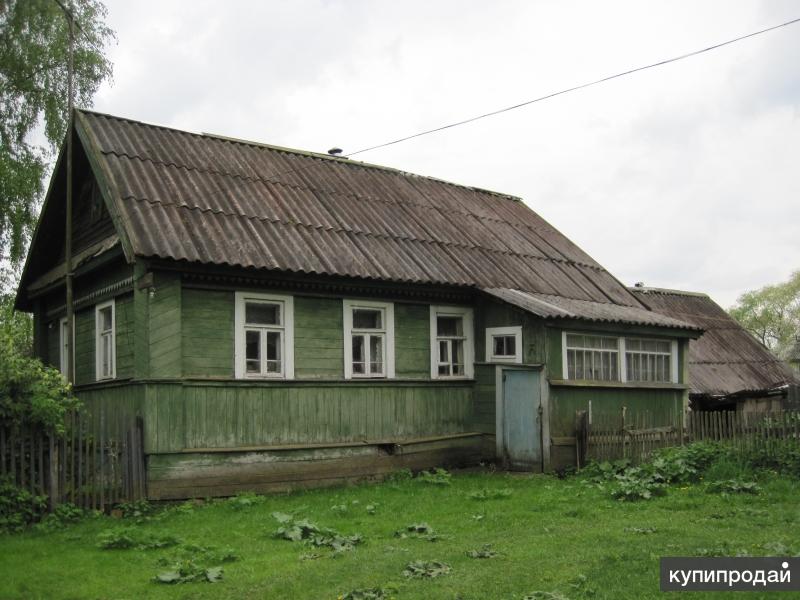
(574, 88)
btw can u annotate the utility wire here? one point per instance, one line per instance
(574, 88)
(272, 178)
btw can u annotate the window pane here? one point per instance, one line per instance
(458, 357)
(449, 326)
(376, 354)
(444, 369)
(505, 345)
(105, 319)
(273, 352)
(367, 318)
(358, 354)
(252, 351)
(261, 313)
(105, 367)
(444, 351)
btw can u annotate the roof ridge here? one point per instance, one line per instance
(667, 291)
(305, 153)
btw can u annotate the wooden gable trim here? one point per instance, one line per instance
(105, 181)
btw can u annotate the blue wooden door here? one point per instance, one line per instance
(522, 420)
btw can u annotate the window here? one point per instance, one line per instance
(368, 339)
(504, 344)
(648, 360)
(264, 336)
(105, 351)
(62, 345)
(451, 342)
(608, 358)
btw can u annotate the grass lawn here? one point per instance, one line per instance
(551, 535)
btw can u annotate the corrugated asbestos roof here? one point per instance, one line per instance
(556, 307)
(213, 200)
(726, 359)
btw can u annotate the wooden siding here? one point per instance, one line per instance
(190, 415)
(207, 330)
(203, 474)
(165, 322)
(496, 314)
(318, 338)
(208, 333)
(485, 416)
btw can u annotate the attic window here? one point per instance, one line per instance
(368, 339)
(451, 342)
(264, 336)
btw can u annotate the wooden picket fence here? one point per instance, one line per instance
(95, 465)
(636, 437)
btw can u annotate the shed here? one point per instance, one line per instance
(728, 367)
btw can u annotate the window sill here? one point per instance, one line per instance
(617, 384)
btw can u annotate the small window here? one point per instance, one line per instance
(592, 357)
(451, 342)
(264, 336)
(105, 341)
(649, 360)
(368, 339)
(504, 344)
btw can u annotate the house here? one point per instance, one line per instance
(281, 318)
(728, 368)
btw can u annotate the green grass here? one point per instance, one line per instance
(552, 535)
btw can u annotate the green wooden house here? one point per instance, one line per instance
(281, 318)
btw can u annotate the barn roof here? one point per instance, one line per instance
(212, 200)
(727, 359)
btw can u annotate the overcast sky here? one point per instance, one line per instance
(685, 176)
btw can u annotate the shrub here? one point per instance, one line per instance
(18, 507)
(32, 393)
(435, 477)
(733, 486)
(63, 515)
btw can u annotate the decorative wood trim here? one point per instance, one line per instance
(388, 330)
(514, 330)
(287, 305)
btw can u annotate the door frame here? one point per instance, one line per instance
(544, 401)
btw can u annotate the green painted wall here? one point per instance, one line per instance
(318, 338)
(228, 415)
(485, 400)
(207, 328)
(164, 309)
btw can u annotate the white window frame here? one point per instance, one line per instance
(673, 361)
(388, 339)
(98, 363)
(62, 351)
(287, 354)
(492, 332)
(469, 340)
(621, 358)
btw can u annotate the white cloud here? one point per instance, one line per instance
(682, 176)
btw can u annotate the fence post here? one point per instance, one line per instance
(54, 493)
(581, 437)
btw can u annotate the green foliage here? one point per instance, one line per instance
(637, 484)
(772, 314)
(733, 486)
(491, 494)
(426, 569)
(188, 571)
(33, 91)
(399, 476)
(15, 327)
(63, 515)
(245, 500)
(419, 530)
(137, 509)
(124, 538)
(376, 593)
(18, 507)
(540, 595)
(485, 551)
(32, 393)
(297, 530)
(435, 477)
